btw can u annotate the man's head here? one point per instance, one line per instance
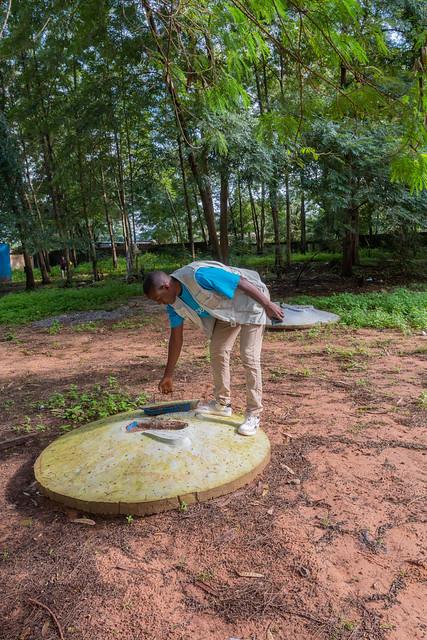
(160, 287)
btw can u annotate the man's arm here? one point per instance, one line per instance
(271, 309)
(174, 350)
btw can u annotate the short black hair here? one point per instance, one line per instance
(153, 280)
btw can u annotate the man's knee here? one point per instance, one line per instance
(220, 353)
(250, 361)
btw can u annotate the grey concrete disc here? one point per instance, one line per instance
(298, 316)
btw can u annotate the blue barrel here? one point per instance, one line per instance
(5, 269)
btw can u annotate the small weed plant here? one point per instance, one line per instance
(422, 400)
(54, 328)
(91, 327)
(77, 406)
(183, 506)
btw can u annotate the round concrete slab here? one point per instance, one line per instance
(106, 468)
(298, 316)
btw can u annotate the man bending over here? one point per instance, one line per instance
(224, 301)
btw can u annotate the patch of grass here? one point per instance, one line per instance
(349, 625)
(205, 575)
(146, 261)
(30, 425)
(277, 374)
(347, 354)
(183, 506)
(92, 327)
(10, 337)
(304, 372)
(54, 328)
(18, 308)
(127, 324)
(77, 406)
(358, 427)
(422, 400)
(402, 308)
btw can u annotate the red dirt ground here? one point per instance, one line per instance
(335, 528)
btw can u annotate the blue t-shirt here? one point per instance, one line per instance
(210, 278)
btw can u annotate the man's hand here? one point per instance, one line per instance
(165, 384)
(271, 309)
(274, 311)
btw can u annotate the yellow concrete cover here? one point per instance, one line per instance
(102, 468)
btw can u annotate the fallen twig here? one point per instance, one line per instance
(55, 619)
(12, 442)
(206, 587)
(299, 614)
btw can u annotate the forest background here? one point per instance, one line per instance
(226, 125)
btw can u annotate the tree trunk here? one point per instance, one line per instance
(175, 222)
(109, 221)
(68, 271)
(232, 218)
(288, 222)
(201, 176)
(200, 219)
(199, 169)
(43, 270)
(255, 220)
(276, 227)
(371, 232)
(127, 232)
(30, 283)
(303, 225)
(239, 189)
(46, 260)
(223, 216)
(262, 225)
(350, 241)
(73, 255)
(89, 225)
(47, 150)
(92, 251)
(44, 266)
(187, 201)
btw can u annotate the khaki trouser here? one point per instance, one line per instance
(223, 338)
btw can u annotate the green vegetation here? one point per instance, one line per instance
(246, 257)
(76, 406)
(275, 122)
(422, 400)
(19, 308)
(403, 309)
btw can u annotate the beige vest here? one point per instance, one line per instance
(242, 309)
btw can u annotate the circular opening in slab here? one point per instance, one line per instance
(158, 425)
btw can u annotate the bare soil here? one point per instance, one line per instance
(328, 544)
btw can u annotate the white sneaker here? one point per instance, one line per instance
(214, 408)
(249, 427)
